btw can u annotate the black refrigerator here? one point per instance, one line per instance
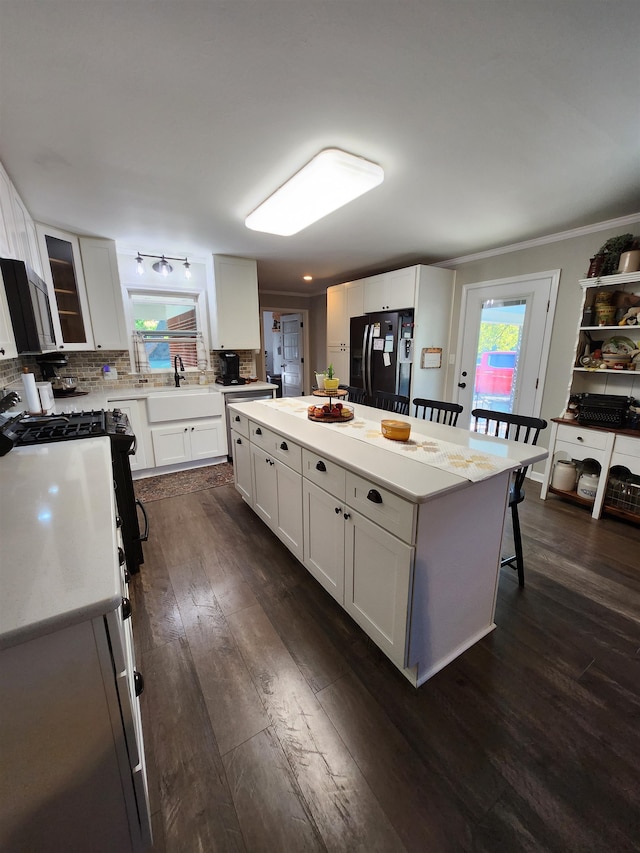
(381, 352)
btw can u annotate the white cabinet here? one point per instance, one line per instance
(104, 293)
(62, 270)
(377, 586)
(188, 441)
(27, 241)
(277, 497)
(324, 538)
(344, 301)
(366, 568)
(233, 304)
(242, 465)
(390, 291)
(8, 234)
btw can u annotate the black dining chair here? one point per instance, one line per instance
(396, 403)
(356, 395)
(514, 428)
(437, 411)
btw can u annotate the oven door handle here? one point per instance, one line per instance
(143, 536)
(134, 447)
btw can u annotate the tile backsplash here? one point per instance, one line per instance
(87, 368)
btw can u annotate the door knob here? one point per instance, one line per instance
(462, 384)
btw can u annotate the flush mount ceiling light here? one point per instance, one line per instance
(332, 179)
(162, 265)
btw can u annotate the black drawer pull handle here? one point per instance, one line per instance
(347, 515)
(580, 438)
(338, 510)
(374, 496)
(127, 576)
(237, 418)
(138, 681)
(118, 521)
(284, 446)
(258, 431)
(320, 466)
(238, 441)
(121, 556)
(126, 608)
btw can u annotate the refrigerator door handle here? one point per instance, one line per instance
(365, 384)
(369, 357)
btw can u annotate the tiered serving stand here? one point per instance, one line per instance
(329, 418)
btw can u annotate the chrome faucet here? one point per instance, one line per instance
(178, 360)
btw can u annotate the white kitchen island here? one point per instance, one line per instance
(405, 536)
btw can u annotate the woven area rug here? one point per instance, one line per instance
(183, 482)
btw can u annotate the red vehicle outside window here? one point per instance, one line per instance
(494, 373)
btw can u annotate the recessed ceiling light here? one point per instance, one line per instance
(307, 277)
(332, 179)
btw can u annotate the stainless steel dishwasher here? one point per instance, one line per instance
(244, 396)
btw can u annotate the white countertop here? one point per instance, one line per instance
(413, 480)
(110, 396)
(58, 542)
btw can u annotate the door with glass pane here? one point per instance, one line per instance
(504, 333)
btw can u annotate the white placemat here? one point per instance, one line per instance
(471, 464)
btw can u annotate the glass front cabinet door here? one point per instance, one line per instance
(62, 267)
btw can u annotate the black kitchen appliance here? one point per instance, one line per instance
(230, 366)
(604, 410)
(66, 427)
(29, 308)
(381, 352)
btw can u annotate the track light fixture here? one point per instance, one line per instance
(162, 265)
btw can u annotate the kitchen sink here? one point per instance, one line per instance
(177, 404)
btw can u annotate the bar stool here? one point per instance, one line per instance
(513, 428)
(437, 411)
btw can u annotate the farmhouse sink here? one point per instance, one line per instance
(178, 404)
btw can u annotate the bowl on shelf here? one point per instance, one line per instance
(395, 430)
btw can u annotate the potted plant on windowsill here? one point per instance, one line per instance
(331, 381)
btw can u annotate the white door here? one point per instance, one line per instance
(292, 354)
(505, 331)
(289, 525)
(324, 538)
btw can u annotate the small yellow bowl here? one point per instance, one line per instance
(395, 430)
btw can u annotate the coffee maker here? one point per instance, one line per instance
(230, 364)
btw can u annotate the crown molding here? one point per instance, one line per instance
(541, 241)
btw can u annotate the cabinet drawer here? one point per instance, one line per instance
(381, 506)
(582, 436)
(239, 423)
(288, 452)
(629, 446)
(327, 475)
(262, 436)
(563, 450)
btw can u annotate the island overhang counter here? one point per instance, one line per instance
(405, 536)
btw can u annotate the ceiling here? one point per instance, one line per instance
(163, 124)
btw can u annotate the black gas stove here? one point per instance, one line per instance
(66, 427)
(40, 429)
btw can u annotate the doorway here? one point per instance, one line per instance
(285, 350)
(504, 334)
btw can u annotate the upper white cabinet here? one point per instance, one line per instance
(63, 273)
(27, 241)
(343, 302)
(17, 229)
(104, 294)
(390, 291)
(233, 304)
(8, 241)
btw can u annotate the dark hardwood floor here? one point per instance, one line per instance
(273, 724)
